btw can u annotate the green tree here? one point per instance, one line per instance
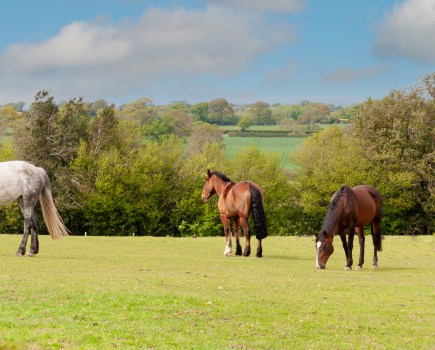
(398, 136)
(141, 111)
(8, 117)
(95, 106)
(244, 123)
(220, 112)
(203, 134)
(200, 111)
(260, 113)
(333, 158)
(314, 113)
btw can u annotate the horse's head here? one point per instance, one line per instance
(324, 249)
(209, 189)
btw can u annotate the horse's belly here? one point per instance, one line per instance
(10, 190)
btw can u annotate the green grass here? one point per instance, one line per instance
(285, 147)
(165, 293)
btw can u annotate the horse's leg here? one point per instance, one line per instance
(259, 249)
(245, 225)
(360, 232)
(343, 241)
(377, 244)
(34, 245)
(27, 226)
(237, 234)
(349, 248)
(228, 247)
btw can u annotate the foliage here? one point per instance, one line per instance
(260, 113)
(8, 117)
(140, 168)
(390, 146)
(281, 197)
(244, 123)
(331, 159)
(221, 112)
(140, 111)
(200, 111)
(203, 134)
(399, 137)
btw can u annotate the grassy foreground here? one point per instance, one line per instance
(161, 293)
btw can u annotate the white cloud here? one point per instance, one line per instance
(409, 31)
(97, 60)
(352, 75)
(267, 6)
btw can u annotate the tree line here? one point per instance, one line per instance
(139, 168)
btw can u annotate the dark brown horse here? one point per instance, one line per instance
(352, 209)
(236, 202)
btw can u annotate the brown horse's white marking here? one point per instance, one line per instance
(236, 202)
(352, 209)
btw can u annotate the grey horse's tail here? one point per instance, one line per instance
(52, 219)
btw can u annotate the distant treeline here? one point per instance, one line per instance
(140, 168)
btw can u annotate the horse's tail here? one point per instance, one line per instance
(377, 238)
(52, 219)
(376, 231)
(260, 224)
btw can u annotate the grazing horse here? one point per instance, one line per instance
(26, 183)
(236, 202)
(352, 209)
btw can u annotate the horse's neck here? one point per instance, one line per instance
(223, 187)
(331, 221)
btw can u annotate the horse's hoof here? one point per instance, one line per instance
(359, 267)
(375, 267)
(19, 254)
(348, 268)
(30, 254)
(227, 253)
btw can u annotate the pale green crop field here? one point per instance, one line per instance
(182, 293)
(284, 147)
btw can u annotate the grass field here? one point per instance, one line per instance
(182, 293)
(285, 147)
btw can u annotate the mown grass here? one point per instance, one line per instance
(161, 293)
(285, 147)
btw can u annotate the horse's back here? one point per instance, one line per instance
(19, 178)
(369, 202)
(239, 198)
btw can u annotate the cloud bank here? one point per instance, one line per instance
(409, 32)
(105, 60)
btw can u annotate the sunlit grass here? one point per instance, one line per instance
(143, 292)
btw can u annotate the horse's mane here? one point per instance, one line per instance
(330, 217)
(221, 176)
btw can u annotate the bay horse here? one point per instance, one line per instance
(351, 209)
(26, 183)
(236, 202)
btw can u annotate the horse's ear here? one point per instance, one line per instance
(208, 173)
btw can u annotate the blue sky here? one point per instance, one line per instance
(335, 51)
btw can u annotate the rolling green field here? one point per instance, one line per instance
(285, 147)
(182, 293)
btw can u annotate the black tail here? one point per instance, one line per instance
(376, 223)
(376, 234)
(260, 224)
